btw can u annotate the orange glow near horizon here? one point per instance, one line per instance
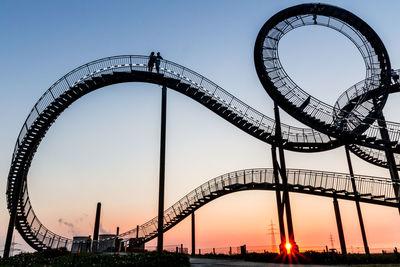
(224, 223)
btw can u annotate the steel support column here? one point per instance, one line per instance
(96, 228)
(193, 235)
(278, 140)
(97, 222)
(389, 155)
(356, 195)
(116, 239)
(278, 196)
(162, 171)
(13, 215)
(339, 225)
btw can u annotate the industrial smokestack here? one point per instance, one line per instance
(97, 223)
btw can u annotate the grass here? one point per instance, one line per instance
(55, 258)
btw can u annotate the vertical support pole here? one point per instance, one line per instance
(13, 215)
(116, 243)
(278, 139)
(160, 236)
(193, 235)
(137, 232)
(58, 242)
(360, 217)
(97, 222)
(389, 155)
(339, 225)
(96, 227)
(278, 196)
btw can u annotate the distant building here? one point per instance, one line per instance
(81, 244)
(131, 244)
(106, 243)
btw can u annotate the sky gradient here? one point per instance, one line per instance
(105, 147)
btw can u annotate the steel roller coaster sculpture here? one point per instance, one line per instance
(355, 121)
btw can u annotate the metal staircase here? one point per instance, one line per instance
(370, 190)
(345, 124)
(128, 68)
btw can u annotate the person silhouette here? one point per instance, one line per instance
(152, 60)
(395, 76)
(158, 62)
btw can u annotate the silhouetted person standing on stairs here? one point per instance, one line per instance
(158, 62)
(152, 60)
(395, 76)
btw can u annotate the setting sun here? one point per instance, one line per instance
(288, 247)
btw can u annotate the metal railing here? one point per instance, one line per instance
(170, 69)
(129, 63)
(315, 108)
(304, 180)
(374, 156)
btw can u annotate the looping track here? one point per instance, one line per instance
(353, 120)
(358, 106)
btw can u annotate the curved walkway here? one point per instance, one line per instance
(113, 70)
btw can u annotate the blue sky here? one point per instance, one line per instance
(105, 146)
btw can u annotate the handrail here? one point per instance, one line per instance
(111, 64)
(334, 181)
(168, 69)
(283, 89)
(53, 92)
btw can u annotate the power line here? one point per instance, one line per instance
(331, 239)
(271, 232)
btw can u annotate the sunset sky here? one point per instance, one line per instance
(105, 147)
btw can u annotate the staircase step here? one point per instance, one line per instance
(98, 80)
(212, 102)
(171, 82)
(247, 125)
(253, 128)
(107, 77)
(206, 99)
(184, 87)
(90, 83)
(199, 95)
(259, 132)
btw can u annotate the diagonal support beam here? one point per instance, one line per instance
(357, 197)
(279, 203)
(278, 140)
(339, 225)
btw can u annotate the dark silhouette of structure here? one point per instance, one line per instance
(161, 189)
(356, 121)
(339, 225)
(193, 234)
(96, 227)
